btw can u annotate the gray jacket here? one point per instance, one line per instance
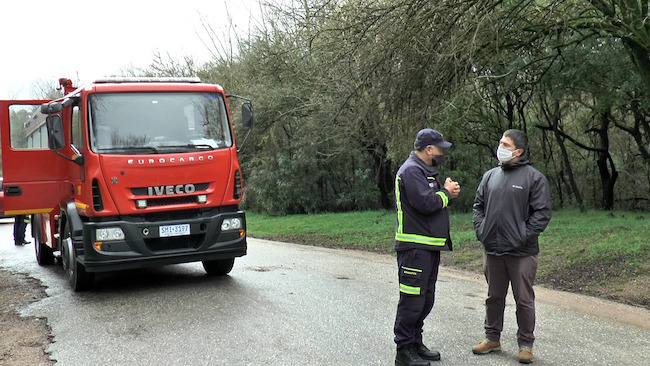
(511, 208)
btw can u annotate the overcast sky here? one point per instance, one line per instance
(46, 40)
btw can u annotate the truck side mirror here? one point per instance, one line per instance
(51, 107)
(55, 138)
(247, 115)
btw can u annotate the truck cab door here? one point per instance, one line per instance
(36, 179)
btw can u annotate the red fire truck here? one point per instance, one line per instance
(127, 173)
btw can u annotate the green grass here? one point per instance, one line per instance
(577, 236)
(578, 249)
(618, 239)
(369, 230)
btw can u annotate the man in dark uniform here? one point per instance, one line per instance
(20, 225)
(422, 232)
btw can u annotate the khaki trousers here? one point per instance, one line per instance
(520, 272)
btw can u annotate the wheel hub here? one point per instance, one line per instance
(67, 255)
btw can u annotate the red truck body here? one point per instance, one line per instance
(126, 173)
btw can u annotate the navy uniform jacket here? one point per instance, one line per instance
(421, 200)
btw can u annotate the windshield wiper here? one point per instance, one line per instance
(131, 149)
(188, 147)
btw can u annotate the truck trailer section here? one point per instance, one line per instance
(127, 173)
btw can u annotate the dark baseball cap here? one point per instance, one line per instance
(428, 137)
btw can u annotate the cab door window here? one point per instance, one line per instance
(27, 127)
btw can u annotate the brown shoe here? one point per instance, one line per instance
(486, 346)
(526, 355)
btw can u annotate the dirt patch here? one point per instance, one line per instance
(614, 280)
(23, 340)
(598, 307)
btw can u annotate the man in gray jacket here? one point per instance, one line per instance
(511, 208)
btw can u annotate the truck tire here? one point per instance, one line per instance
(44, 254)
(78, 278)
(219, 267)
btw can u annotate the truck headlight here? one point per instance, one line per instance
(109, 233)
(231, 224)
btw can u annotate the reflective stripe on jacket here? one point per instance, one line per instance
(421, 200)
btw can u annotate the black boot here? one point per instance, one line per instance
(408, 356)
(426, 353)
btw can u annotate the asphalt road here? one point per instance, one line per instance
(286, 304)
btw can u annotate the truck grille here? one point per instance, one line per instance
(174, 243)
(143, 191)
(170, 201)
(171, 216)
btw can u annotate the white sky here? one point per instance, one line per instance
(44, 40)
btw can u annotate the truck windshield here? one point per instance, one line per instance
(146, 123)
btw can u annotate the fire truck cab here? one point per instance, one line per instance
(127, 173)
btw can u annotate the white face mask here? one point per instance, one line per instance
(504, 155)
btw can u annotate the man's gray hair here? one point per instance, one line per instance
(519, 138)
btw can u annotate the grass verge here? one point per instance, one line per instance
(605, 254)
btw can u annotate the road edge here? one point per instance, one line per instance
(594, 306)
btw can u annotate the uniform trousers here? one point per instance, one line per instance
(418, 273)
(19, 229)
(500, 272)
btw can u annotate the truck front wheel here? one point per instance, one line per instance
(78, 278)
(219, 267)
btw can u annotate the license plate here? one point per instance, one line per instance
(174, 230)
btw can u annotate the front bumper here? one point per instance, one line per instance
(144, 247)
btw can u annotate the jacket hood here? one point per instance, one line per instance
(523, 160)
